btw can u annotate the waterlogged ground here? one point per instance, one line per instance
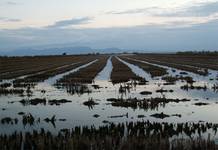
(75, 113)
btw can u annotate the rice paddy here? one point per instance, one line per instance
(137, 101)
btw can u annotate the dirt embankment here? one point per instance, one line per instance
(151, 69)
(87, 74)
(121, 72)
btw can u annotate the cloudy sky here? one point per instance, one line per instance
(152, 25)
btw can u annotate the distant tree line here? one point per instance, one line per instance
(198, 53)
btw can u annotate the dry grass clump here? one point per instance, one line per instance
(5, 91)
(146, 104)
(129, 136)
(173, 79)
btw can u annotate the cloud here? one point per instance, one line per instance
(9, 3)
(183, 16)
(5, 19)
(202, 9)
(198, 10)
(149, 10)
(73, 21)
(197, 37)
(12, 3)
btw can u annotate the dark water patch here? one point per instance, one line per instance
(119, 116)
(141, 116)
(62, 120)
(160, 115)
(145, 93)
(215, 87)
(9, 120)
(19, 84)
(58, 102)
(151, 103)
(125, 88)
(90, 103)
(169, 83)
(21, 113)
(95, 86)
(164, 91)
(4, 91)
(177, 115)
(201, 104)
(129, 86)
(74, 88)
(192, 87)
(183, 73)
(96, 115)
(5, 85)
(42, 101)
(36, 101)
(51, 120)
(29, 119)
(173, 79)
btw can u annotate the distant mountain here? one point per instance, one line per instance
(49, 51)
(110, 50)
(59, 51)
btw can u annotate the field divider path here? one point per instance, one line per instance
(23, 72)
(86, 74)
(58, 77)
(200, 61)
(42, 76)
(16, 67)
(153, 70)
(188, 68)
(122, 73)
(13, 64)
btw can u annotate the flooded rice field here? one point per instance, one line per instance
(119, 92)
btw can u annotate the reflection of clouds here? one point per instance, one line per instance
(77, 114)
(178, 92)
(138, 71)
(105, 73)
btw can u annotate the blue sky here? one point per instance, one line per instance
(153, 25)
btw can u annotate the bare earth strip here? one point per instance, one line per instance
(39, 77)
(16, 67)
(188, 68)
(87, 74)
(121, 72)
(202, 61)
(151, 69)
